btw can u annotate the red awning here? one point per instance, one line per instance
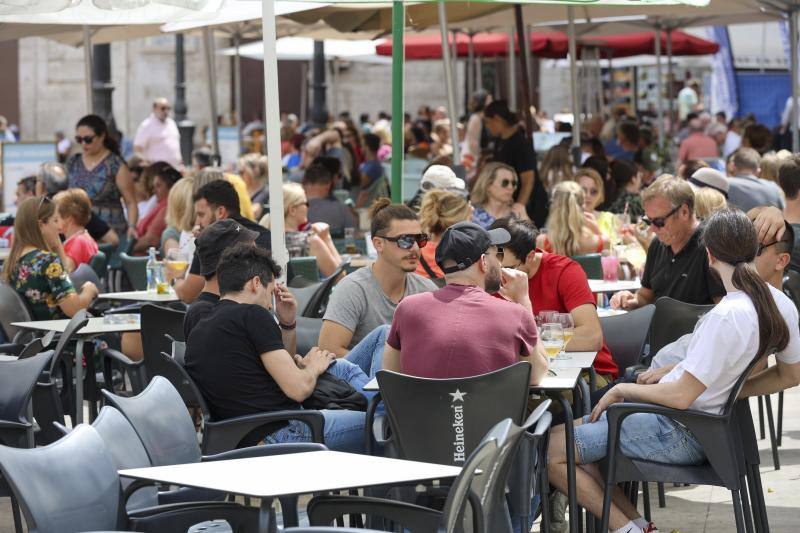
(553, 45)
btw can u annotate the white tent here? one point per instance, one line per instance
(302, 49)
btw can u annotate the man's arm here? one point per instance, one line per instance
(776, 378)
(538, 360)
(296, 378)
(189, 288)
(630, 301)
(588, 333)
(525, 186)
(335, 337)
(391, 359)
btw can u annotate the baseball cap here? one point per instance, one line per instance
(442, 177)
(216, 238)
(465, 242)
(709, 177)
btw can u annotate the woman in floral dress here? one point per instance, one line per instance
(35, 266)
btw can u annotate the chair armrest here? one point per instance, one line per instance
(225, 435)
(135, 369)
(632, 371)
(11, 348)
(10, 424)
(188, 495)
(266, 451)
(182, 516)
(322, 510)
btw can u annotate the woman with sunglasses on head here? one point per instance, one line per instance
(102, 173)
(36, 265)
(493, 195)
(568, 232)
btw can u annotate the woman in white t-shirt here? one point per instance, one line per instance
(746, 323)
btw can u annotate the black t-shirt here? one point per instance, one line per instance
(223, 356)
(262, 241)
(685, 277)
(198, 310)
(97, 227)
(794, 263)
(517, 151)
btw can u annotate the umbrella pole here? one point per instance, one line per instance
(795, 112)
(237, 76)
(670, 84)
(512, 71)
(472, 71)
(87, 68)
(525, 105)
(208, 45)
(573, 78)
(448, 80)
(272, 121)
(398, 60)
(659, 101)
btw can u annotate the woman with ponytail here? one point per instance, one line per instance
(102, 173)
(439, 210)
(569, 231)
(751, 321)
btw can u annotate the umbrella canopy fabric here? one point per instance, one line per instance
(302, 49)
(643, 43)
(550, 45)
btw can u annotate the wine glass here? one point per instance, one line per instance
(567, 326)
(176, 263)
(552, 339)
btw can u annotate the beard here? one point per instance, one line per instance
(493, 280)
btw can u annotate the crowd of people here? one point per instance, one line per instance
(461, 272)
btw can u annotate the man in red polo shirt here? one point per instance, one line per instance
(557, 283)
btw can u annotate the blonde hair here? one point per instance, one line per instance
(708, 201)
(74, 203)
(27, 231)
(293, 194)
(593, 175)
(557, 162)
(771, 165)
(441, 209)
(565, 222)
(180, 205)
(257, 165)
(480, 189)
(676, 190)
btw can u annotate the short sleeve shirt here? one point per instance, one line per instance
(359, 304)
(198, 310)
(80, 247)
(429, 329)
(40, 278)
(331, 211)
(223, 356)
(684, 276)
(516, 151)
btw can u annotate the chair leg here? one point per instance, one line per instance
(606, 505)
(753, 499)
(16, 514)
(755, 479)
(737, 511)
(544, 491)
(748, 518)
(662, 498)
(773, 440)
(646, 499)
(780, 418)
(761, 418)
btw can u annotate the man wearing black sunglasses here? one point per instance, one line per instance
(677, 263)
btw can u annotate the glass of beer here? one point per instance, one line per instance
(177, 262)
(552, 339)
(567, 325)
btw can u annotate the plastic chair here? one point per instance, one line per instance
(481, 483)
(626, 335)
(13, 309)
(160, 327)
(591, 264)
(80, 469)
(318, 302)
(671, 320)
(303, 266)
(135, 269)
(99, 263)
(17, 381)
(307, 333)
(719, 435)
(85, 273)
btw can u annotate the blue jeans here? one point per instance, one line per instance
(644, 436)
(368, 353)
(344, 429)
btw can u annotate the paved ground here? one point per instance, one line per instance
(704, 509)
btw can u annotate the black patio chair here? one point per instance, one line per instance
(672, 319)
(13, 309)
(316, 300)
(134, 268)
(481, 484)
(626, 335)
(591, 265)
(307, 333)
(80, 470)
(719, 435)
(752, 460)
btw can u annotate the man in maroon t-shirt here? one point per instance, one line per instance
(461, 330)
(557, 283)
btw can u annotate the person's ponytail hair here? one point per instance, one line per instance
(100, 128)
(731, 238)
(383, 212)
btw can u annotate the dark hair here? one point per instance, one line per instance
(297, 140)
(168, 174)
(28, 184)
(499, 108)
(203, 156)
(789, 176)
(731, 238)
(597, 163)
(383, 212)
(100, 128)
(646, 135)
(629, 130)
(219, 193)
(333, 164)
(242, 262)
(372, 142)
(523, 235)
(317, 174)
(758, 137)
(623, 172)
(363, 118)
(690, 166)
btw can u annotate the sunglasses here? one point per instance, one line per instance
(762, 247)
(500, 254)
(165, 108)
(660, 222)
(86, 139)
(506, 182)
(405, 242)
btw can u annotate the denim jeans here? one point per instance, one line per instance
(344, 429)
(368, 353)
(644, 436)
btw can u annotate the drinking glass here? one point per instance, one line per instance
(177, 261)
(552, 339)
(546, 317)
(567, 326)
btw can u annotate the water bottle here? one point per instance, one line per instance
(152, 271)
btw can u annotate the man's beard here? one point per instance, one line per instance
(493, 280)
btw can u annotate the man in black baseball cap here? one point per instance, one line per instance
(210, 244)
(461, 330)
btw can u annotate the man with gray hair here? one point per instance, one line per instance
(747, 190)
(697, 145)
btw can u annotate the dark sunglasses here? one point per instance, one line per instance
(506, 182)
(762, 247)
(660, 222)
(500, 254)
(165, 108)
(405, 242)
(86, 139)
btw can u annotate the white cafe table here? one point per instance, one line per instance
(601, 286)
(94, 328)
(139, 296)
(292, 474)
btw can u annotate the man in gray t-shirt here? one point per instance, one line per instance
(367, 298)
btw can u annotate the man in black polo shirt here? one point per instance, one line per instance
(677, 263)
